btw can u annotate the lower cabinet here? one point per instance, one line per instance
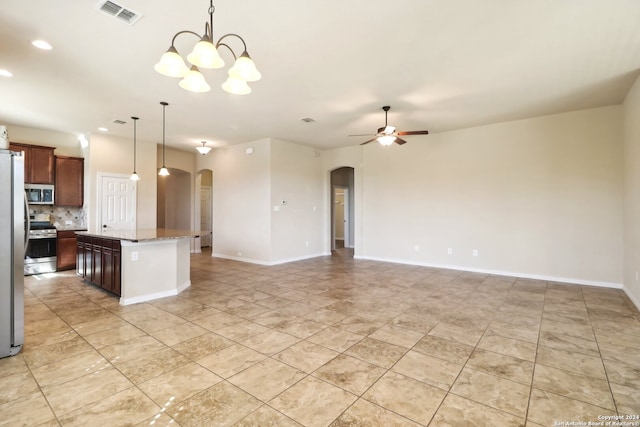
(66, 250)
(98, 262)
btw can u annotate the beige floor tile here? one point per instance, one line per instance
(508, 330)
(464, 335)
(46, 354)
(397, 336)
(131, 348)
(274, 318)
(336, 339)
(306, 356)
(242, 330)
(326, 316)
(547, 409)
(175, 386)
(627, 399)
(313, 402)
(98, 325)
(301, 328)
(607, 338)
(127, 407)
(217, 321)
(16, 386)
(13, 365)
(499, 393)
(30, 410)
(508, 346)
(158, 420)
(365, 414)
(231, 360)
(501, 365)
(222, 404)
(270, 342)
(360, 325)
(457, 411)
(177, 334)
(586, 389)
(428, 369)
(69, 368)
(266, 379)
(569, 343)
(75, 394)
(202, 345)
(151, 365)
(623, 373)
(443, 348)
(267, 416)
(114, 336)
(576, 363)
(574, 330)
(405, 396)
(377, 352)
(32, 341)
(350, 374)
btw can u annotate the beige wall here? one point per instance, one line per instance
(110, 154)
(66, 144)
(296, 178)
(540, 197)
(241, 200)
(632, 193)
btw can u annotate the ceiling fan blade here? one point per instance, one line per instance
(400, 141)
(414, 132)
(366, 142)
(363, 134)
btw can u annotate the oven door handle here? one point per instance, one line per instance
(42, 236)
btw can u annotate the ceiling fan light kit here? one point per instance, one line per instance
(206, 55)
(387, 135)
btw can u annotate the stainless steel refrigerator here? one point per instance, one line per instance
(14, 223)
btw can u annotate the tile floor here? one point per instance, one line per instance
(328, 341)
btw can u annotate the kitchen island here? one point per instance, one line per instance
(136, 265)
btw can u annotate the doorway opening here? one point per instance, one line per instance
(342, 211)
(204, 184)
(174, 200)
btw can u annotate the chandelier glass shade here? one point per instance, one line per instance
(206, 54)
(204, 149)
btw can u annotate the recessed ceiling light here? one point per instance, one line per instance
(5, 73)
(103, 129)
(41, 44)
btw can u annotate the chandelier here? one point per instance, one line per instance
(206, 55)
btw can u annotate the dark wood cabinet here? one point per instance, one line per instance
(67, 250)
(69, 181)
(98, 262)
(38, 163)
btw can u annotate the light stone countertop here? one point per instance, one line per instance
(142, 235)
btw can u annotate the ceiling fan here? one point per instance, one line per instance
(387, 135)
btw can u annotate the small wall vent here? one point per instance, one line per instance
(117, 11)
(119, 122)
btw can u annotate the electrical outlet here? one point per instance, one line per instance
(416, 248)
(475, 252)
(239, 253)
(134, 256)
(68, 223)
(450, 251)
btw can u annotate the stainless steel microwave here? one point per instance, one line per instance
(39, 194)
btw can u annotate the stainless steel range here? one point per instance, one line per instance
(40, 256)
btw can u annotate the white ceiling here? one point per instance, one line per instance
(440, 64)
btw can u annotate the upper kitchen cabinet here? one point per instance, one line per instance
(69, 181)
(38, 163)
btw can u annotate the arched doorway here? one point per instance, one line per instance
(342, 211)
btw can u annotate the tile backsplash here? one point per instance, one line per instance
(61, 214)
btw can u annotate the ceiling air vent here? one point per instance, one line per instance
(119, 122)
(117, 11)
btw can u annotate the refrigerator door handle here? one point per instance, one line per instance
(28, 219)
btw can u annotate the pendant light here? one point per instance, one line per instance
(204, 149)
(134, 175)
(163, 170)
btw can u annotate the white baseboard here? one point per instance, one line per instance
(500, 272)
(268, 263)
(156, 295)
(632, 297)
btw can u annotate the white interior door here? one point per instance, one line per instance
(205, 217)
(117, 202)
